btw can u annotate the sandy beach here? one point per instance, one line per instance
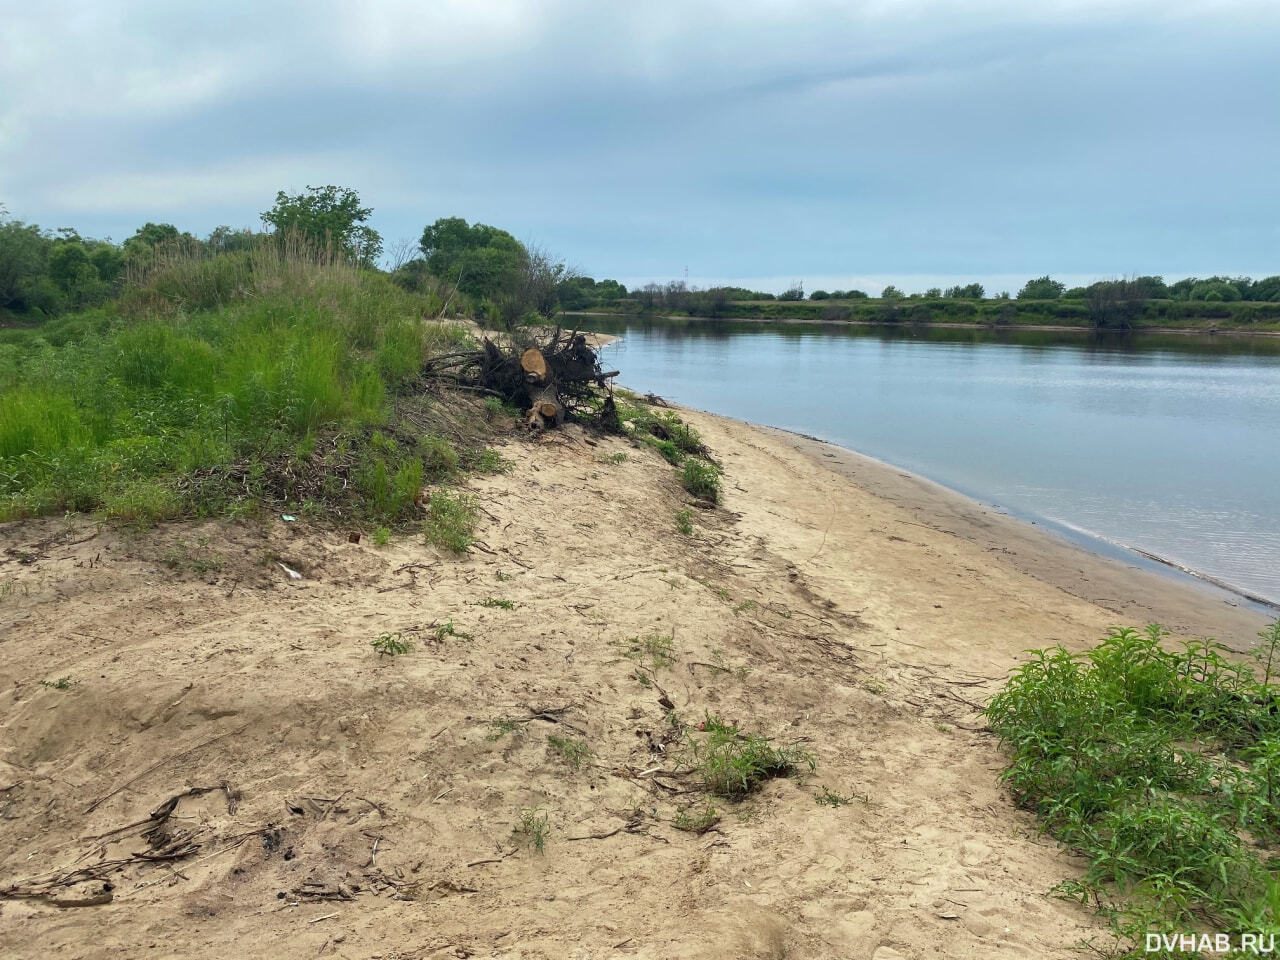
(363, 806)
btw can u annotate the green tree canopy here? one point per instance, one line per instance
(1215, 289)
(969, 291)
(482, 260)
(1042, 288)
(327, 215)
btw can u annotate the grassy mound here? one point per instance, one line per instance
(217, 385)
(1162, 768)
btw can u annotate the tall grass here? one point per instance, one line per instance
(213, 381)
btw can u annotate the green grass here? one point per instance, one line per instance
(733, 764)
(262, 377)
(381, 536)
(62, 683)
(1160, 765)
(533, 827)
(198, 558)
(390, 645)
(451, 520)
(489, 461)
(573, 752)
(497, 602)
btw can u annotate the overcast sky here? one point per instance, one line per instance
(856, 143)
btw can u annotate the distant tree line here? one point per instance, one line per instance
(487, 272)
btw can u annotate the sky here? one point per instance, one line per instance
(854, 144)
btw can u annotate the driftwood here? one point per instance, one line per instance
(547, 380)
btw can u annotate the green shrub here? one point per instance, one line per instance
(701, 479)
(733, 764)
(451, 520)
(1150, 761)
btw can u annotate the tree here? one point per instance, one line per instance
(1153, 288)
(478, 259)
(327, 216)
(24, 270)
(933, 293)
(1266, 289)
(971, 291)
(793, 292)
(819, 295)
(1114, 303)
(1042, 288)
(891, 293)
(1214, 289)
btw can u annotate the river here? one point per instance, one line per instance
(1168, 445)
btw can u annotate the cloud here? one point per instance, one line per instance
(748, 138)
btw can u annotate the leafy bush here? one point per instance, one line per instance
(1151, 762)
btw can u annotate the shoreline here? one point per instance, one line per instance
(1204, 331)
(1187, 602)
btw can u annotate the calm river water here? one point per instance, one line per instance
(1166, 444)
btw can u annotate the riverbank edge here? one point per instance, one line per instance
(1183, 602)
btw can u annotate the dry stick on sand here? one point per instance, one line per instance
(160, 763)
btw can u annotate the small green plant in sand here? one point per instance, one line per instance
(684, 522)
(390, 645)
(447, 629)
(533, 828)
(612, 458)
(62, 683)
(381, 536)
(655, 650)
(574, 752)
(1159, 763)
(497, 602)
(501, 727)
(733, 764)
(825, 797)
(451, 520)
(697, 821)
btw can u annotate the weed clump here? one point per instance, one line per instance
(1160, 767)
(533, 827)
(451, 520)
(655, 651)
(733, 764)
(684, 522)
(390, 645)
(701, 479)
(574, 752)
(696, 821)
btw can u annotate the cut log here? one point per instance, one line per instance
(546, 409)
(534, 363)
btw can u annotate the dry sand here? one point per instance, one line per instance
(369, 813)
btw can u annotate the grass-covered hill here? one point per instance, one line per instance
(214, 385)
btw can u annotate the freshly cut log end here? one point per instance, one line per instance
(546, 409)
(534, 363)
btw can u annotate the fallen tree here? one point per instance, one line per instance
(548, 381)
